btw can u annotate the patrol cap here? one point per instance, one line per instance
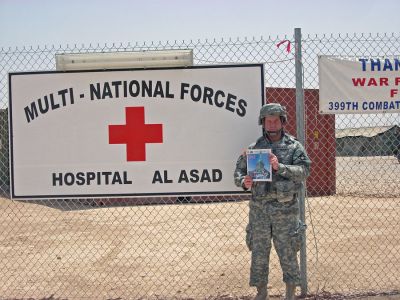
(272, 109)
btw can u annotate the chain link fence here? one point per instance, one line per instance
(181, 248)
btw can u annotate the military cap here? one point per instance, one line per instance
(272, 109)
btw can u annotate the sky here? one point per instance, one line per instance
(56, 22)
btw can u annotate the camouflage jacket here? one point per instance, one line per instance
(294, 167)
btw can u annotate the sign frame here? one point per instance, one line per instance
(15, 193)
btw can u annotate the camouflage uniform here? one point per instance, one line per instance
(274, 209)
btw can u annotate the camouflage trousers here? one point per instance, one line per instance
(277, 222)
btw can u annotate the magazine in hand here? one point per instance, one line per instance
(258, 165)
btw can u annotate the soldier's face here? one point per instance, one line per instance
(272, 123)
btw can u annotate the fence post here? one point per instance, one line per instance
(300, 129)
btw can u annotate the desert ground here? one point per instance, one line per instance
(86, 249)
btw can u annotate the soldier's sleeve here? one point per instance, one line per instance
(240, 170)
(300, 167)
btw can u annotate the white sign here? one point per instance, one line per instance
(359, 85)
(131, 132)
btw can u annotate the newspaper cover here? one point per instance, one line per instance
(258, 165)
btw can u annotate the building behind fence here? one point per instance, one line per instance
(77, 249)
(372, 141)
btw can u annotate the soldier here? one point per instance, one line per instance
(274, 207)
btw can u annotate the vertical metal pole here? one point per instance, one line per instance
(300, 129)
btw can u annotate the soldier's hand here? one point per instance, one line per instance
(248, 182)
(274, 162)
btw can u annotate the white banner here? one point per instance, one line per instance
(131, 132)
(359, 85)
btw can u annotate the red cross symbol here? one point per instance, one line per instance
(135, 134)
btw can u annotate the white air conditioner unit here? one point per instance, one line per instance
(124, 60)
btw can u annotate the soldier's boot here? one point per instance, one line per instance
(262, 293)
(290, 291)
